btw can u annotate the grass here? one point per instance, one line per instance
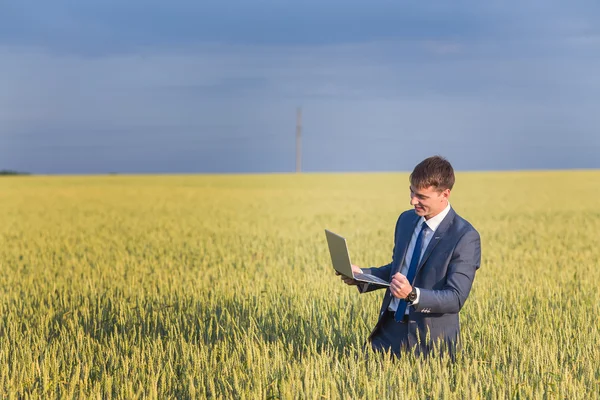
(203, 286)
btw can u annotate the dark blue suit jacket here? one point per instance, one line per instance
(444, 277)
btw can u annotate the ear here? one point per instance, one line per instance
(446, 193)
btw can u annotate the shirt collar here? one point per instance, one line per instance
(434, 223)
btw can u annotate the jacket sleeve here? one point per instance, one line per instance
(459, 279)
(384, 271)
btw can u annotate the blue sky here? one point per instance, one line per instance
(188, 86)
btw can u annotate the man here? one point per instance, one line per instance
(435, 256)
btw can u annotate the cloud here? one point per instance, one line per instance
(85, 89)
(101, 27)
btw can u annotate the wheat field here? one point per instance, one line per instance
(222, 287)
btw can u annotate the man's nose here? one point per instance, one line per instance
(413, 201)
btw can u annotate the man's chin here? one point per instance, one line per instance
(420, 212)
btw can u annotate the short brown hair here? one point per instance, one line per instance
(434, 171)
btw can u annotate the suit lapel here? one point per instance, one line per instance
(406, 233)
(438, 235)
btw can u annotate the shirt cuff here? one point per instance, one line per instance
(414, 303)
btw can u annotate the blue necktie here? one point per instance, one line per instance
(412, 270)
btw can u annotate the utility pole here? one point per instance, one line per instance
(299, 140)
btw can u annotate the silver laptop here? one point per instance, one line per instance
(341, 260)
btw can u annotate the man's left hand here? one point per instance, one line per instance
(400, 287)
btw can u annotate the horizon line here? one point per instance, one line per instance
(96, 174)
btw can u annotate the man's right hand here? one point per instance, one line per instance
(349, 281)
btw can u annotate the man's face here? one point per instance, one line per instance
(428, 202)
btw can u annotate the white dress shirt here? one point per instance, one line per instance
(432, 223)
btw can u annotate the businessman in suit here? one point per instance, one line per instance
(435, 256)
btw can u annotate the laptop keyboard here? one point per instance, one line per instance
(370, 278)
